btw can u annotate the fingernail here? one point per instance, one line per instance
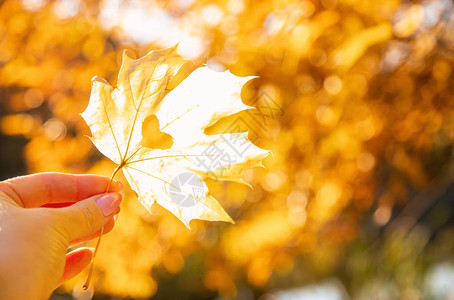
(109, 203)
(120, 185)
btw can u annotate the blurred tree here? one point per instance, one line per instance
(353, 98)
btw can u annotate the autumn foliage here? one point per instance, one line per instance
(353, 98)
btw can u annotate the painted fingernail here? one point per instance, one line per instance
(109, 203)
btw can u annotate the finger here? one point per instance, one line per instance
(39, 189)
(57, 205)
(76, 262)
(86, 217)
(107, 228)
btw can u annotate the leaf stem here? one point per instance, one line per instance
(90, 270)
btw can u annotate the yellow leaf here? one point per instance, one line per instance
(156, 135)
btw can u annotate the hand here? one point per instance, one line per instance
(34, 239)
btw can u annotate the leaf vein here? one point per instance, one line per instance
(109, 122)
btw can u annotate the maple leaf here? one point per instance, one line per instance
(160, 167)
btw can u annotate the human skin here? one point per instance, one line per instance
(36, 229)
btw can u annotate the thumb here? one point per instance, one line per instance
(86, 217)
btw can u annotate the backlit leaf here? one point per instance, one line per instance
(157, 136)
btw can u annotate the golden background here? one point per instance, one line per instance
(354, 99)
